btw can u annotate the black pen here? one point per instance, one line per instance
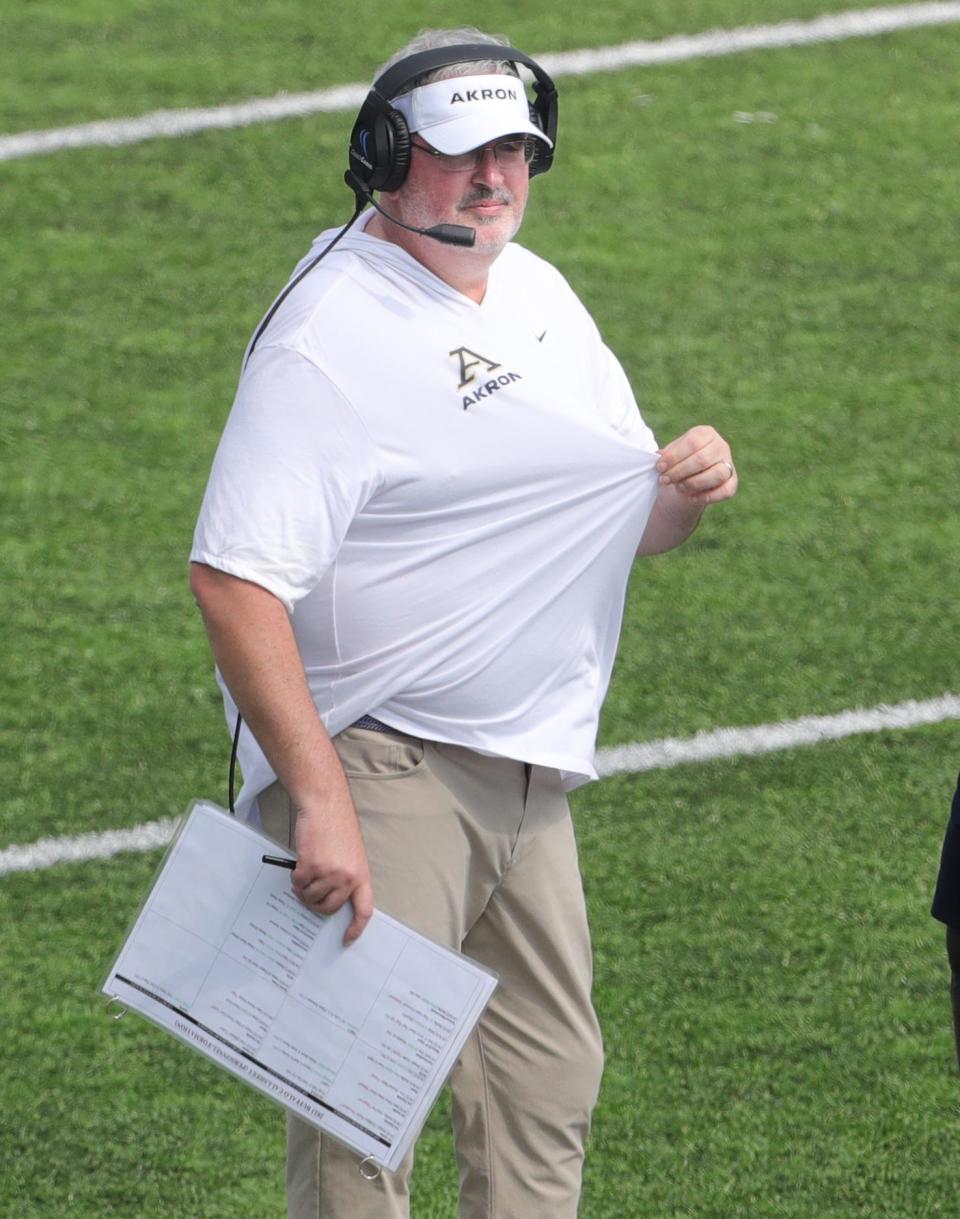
(279, 861)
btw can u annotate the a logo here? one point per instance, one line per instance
(467, 375)
(363, 155)
(484, 95)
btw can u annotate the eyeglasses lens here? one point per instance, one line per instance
(508, 154)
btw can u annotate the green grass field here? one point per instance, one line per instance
(772, 989)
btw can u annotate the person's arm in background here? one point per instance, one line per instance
(254, 647)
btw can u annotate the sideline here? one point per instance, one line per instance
(171, 124)
(619, 759)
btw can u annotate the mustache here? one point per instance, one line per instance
(486, 194)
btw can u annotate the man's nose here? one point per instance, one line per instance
(488, 168)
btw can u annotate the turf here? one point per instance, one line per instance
(98, 59)
(771, 986)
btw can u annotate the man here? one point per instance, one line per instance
(416, 541)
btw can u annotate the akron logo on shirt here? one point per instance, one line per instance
(470, 361)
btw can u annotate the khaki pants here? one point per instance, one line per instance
(479, 854)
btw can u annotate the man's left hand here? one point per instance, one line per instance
(700, 466)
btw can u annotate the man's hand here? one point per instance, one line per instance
(699, 465)
(332, 864)
(695, 470)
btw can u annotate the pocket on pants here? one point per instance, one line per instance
(366, 754)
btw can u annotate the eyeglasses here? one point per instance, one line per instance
(508, 154)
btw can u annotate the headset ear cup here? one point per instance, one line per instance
(543, 114)
(398, 165)
(536, 159)
(368, 149)
(379, 145)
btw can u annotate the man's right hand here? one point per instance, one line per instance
(332, 864)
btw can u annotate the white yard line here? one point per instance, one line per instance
(857, 23)
(46, 852)
(649, 755)
(767, 738)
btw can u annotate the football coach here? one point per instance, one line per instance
(411, 561)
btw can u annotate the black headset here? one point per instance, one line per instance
(380, 140)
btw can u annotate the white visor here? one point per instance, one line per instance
(462, 112)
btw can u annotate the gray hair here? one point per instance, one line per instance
(432, 40)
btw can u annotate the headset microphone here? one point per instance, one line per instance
(449, 234)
